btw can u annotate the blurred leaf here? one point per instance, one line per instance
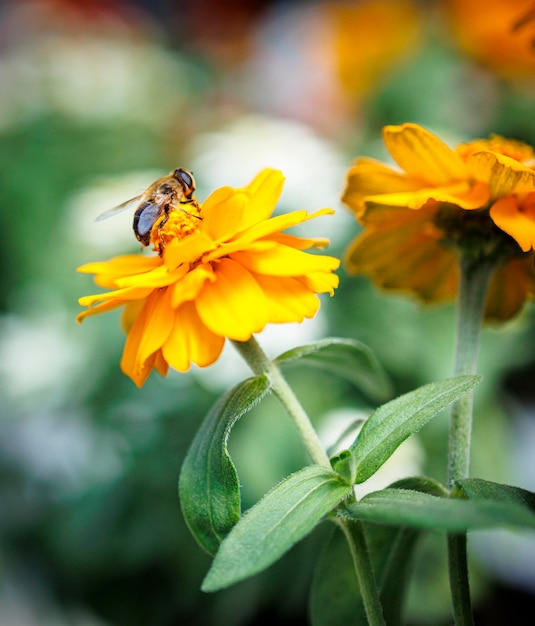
(347, 358)
(421, 510)
(392, 423)
(478, 489)
(285, 515)
(335, 598)
(208, 487)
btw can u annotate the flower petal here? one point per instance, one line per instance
(509, 288)
(158, 277)
(99, 308)
(462, 194)
(503, 174)
(265, 190)
(129, 293)
(191, 341)
(107, 272)
(285, 261)
(148, 333)
(423, 155)
(234, 305)
(189, 287)
(188, 250)
(222, 213)
(288, 300)
(369, 178)
(517, 221)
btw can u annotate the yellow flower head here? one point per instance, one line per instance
(479, 197)
(226, 275)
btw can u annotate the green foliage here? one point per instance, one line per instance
(347, 358)
(335, 598)
(271, 527)
(393, 422)
(208, 486)
(405, 507)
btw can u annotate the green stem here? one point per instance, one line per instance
(474, 279)
(354, 533)
(261, 364)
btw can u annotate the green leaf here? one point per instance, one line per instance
(348, 358)
(285, 515)
(208, 486)
(392, 423)
(405, 507)
(478, 489)
(335, 598)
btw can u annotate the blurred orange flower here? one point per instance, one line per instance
(479, 197)
(227, 275)
(498, 33)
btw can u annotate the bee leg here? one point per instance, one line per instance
(163, 221)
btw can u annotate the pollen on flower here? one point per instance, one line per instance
(179, 223)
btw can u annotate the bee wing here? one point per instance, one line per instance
(148, 217)
(119, 208)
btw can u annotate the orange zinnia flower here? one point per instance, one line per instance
(479, 197)
(225, 275)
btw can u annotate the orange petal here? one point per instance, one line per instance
(234, 305)
(129, 293)
(320, 282)
(99, 308)
(107, 272)
(148, 333)
(423, 155)
(510, 286)
(191, 341)
(158, 277)
(503, 174)
(515, 220)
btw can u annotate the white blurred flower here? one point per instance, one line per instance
(314, 168)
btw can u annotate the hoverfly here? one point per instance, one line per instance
(165, 194)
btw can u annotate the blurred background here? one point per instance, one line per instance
(100, 97)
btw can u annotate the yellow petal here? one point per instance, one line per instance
(107, 272)
(188, 250)
(369, 178)
(320, 282)
(222, 214)
(300, 243)
(99, 308)
(462, 194)
(189, 287)
(129, 293)
(265, 190)
(423, 155)
(158, 277)
(234, 305)
(275, 225)
(191, 341)
(516, 221)
(288, 300)
(503, 174)
(285, 261)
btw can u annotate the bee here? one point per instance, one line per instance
(174, 191)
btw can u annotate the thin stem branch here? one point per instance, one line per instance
(354, 533)
(261, 364)
(474, 279)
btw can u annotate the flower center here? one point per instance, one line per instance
(177, 222)
(475, 234)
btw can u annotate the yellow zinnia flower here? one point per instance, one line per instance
(479, 197)
(225, 275)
